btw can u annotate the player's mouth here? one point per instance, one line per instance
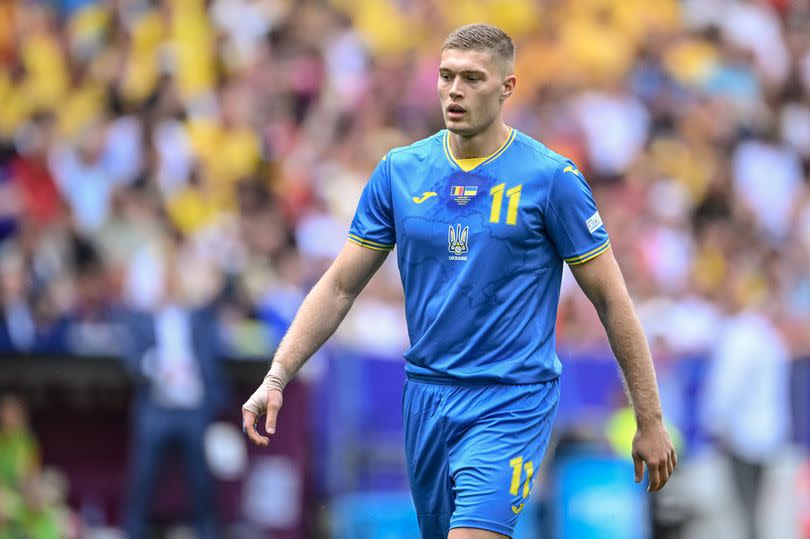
(455, 111)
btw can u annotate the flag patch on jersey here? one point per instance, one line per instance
(462, 193)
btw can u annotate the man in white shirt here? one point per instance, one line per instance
(747, 406)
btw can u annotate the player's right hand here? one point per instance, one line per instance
(272, 404)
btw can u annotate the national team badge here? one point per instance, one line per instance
(457, 241)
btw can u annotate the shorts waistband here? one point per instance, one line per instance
(464, 382)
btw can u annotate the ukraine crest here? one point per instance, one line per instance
(457, 241)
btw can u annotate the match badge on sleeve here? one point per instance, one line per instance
(594, 222)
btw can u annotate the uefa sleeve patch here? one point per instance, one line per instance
(593, 222)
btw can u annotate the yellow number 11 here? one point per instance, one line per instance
(497, 201)
(517, 470)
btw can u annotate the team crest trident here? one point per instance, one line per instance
(457, 239)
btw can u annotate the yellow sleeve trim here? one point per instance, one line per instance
(590, 255)
(583, 255)
(376, 244)
(367, 246)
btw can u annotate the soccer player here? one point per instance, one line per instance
(483, 217)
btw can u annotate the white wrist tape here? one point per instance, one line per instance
(276, 378)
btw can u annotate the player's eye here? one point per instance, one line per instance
(472, 79)
(445, 76)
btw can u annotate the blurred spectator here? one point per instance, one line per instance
(19, 452)
(32, 502)
(624, 117)
(19, 463)
(91, 332)
(768, 179)
(39, 518)
(747, 399)
(40, 198)
(84, 179)
(124, 114)
(173, 356)
(17, 329)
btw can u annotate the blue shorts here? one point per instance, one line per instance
(473, 452)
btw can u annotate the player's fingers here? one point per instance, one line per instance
(652, 472)
(249, 428)
(670, 465)
(638, 464)
(663, 473)
(274, 401)
(674, 459)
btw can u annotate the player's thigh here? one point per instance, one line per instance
(474, 533)
(493, 481)
(426, 457)
(494, 465)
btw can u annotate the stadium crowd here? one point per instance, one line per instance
(240, 133)
(228, 141)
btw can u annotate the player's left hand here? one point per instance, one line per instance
(653, 447)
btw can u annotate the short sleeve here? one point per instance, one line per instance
(373, 223)
(572, 219)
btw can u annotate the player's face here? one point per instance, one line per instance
(472, 88)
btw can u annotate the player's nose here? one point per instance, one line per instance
(455, 89)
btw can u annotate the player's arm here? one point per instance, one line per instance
(317, 319)
(602, 281)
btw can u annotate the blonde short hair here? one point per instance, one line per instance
(482, 37)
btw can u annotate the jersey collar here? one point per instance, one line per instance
(469, 164)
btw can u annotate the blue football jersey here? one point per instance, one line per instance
(480, 248)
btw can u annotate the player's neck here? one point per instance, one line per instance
(481, 144)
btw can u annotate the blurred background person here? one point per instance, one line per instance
(17, 330)
(32, 500)
(747, 396)
(173, 355)
(19, 451)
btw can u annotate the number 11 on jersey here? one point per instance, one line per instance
(497, 201)
(518, 467)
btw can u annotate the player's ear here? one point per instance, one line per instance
(508, 86)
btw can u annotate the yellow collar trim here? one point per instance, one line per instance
(472, 162)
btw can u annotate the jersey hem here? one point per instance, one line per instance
(482, 525)
(446, 381)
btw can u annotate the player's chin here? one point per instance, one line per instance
(459, 127)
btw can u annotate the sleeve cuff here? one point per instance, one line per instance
(368, 244)
(590, 255)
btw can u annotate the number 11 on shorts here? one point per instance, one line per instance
(517, 471)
